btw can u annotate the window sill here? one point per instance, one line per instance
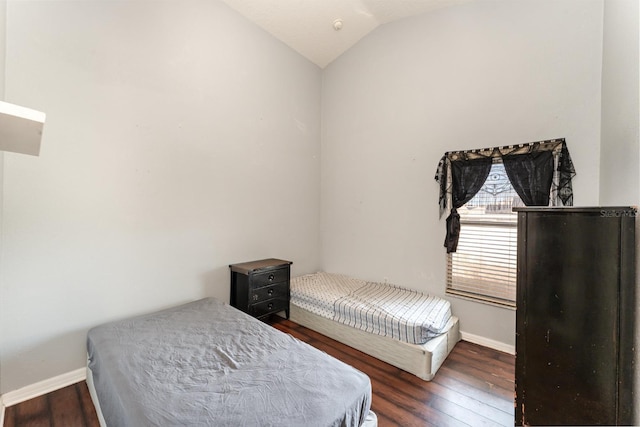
(482, 299)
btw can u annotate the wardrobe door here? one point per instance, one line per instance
(568, 318)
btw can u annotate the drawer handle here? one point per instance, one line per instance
(270, 305)
(270, 291)
(271, 277)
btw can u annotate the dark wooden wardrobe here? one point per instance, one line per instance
(576, 311)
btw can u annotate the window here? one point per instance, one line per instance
(484, 265)
(481, 228)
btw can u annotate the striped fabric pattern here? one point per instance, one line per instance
(319, 291)
(388, 310)
(393, 311)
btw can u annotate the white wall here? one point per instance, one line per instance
(3, 12)
(180, 138)
(620, 158)
(477, 75)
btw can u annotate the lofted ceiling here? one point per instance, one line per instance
(321, 30)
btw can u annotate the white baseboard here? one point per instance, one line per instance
(43, 387)
(486, 342)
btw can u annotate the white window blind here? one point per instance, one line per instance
(484, 265)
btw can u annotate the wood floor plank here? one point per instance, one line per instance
(454, 380)
(491, 382)
(466, 409)
(33, 408)
(398, 400)
(474, 387)
(10, 416)
(463, 415)
(66, 410)
(487, 353)
(499, 373)
(383, 418)
(434, 401)
(33, 413)
(88, 410)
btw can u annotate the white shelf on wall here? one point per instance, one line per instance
(20, 129)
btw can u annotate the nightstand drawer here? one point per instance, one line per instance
(279, 290)
(270, 277)
(269, 306)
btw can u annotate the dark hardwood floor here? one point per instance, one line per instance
(474, 387)
(68, 407)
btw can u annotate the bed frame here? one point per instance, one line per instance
(422, 360)
(94, 396)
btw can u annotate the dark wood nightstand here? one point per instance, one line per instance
(261, 288)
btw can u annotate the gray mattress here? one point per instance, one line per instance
(207, 364)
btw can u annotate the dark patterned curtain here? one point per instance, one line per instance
(529, 167)
(531, 175)
(467, 178)
(566, 173)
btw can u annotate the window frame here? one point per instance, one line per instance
(561, 194)
(481, 293)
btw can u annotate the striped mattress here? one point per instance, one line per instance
(388, 310)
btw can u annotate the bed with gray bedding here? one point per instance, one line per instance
(207, 364)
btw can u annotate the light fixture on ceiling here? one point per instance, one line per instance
(20, 129)
(337, 24)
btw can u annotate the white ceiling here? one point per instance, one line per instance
(307, 26)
